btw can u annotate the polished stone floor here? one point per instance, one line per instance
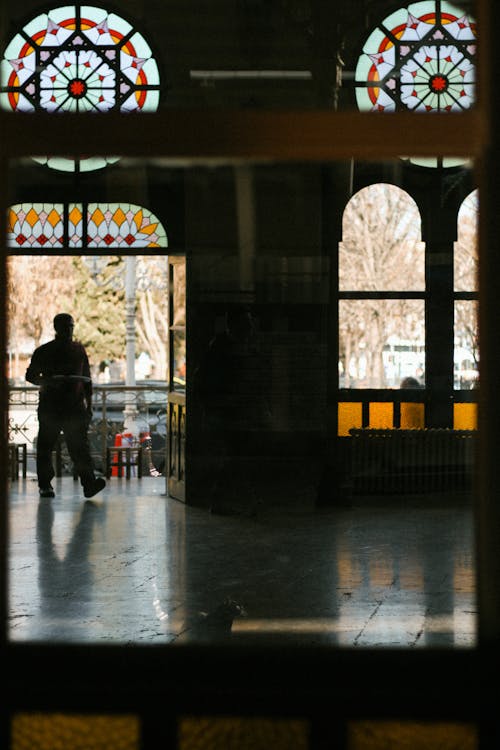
(135, 566)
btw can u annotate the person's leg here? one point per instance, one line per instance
(48, 432)
(75, 430)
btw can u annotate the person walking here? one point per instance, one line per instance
(61, 369)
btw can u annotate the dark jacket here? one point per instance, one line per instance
(61, 357)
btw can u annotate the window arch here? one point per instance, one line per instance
(420, 58)
(465, 267)
(86, 226)
(466, 250)
(381, 290)
(381, 246)
(78, 58)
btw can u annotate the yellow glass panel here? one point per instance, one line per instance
(381, 415)
(235, 733)
(75, 215)
(465, 416)
(138, 218)
(97, 217)
(119, 216)
(32, 217)
(412, 416)
(148, 228)
(54, 217)
(409, 735)
(39, 731)
(11, 220)
(350, 415)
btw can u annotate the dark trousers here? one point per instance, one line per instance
(74, 425)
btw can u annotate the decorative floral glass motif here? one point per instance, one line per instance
(76, 225)
(78, 59)
(420, 58)
(35, 225)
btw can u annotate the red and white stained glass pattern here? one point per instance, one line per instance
(120, 225)
(78, 59)
(35, 225)
(100, 225)
(421, 58)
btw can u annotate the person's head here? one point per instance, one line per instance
(410, 382)
(64, 325)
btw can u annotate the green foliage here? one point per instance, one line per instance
(99, 312)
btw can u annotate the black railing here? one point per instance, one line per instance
(148, 402)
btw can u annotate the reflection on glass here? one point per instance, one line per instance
(381, 343)
(251, 265)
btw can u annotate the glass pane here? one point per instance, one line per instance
(425, 735)
(466, 248)
(39, 731)
(81, 58)
(381, 246)
(381, 343)
(466, 370)
(205, 546)
(208, 733)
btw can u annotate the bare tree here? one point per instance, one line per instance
(381, 250)
(465, 272)
(38, 288)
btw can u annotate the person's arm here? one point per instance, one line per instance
(34, 372)
(88, 384)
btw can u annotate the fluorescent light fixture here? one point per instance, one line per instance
(221, 75)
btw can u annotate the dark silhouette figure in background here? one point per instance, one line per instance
(224, 386)
(61, 369)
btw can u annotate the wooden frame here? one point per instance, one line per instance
(161, 684)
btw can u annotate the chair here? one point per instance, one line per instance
(123, 456)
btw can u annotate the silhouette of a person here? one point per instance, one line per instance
(61, 369)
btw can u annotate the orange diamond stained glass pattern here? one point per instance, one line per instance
(74, 225)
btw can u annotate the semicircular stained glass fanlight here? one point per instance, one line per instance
(85, 226)
(78, 58)
(420, 58)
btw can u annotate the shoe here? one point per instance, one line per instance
(46, 491)
(96, 486)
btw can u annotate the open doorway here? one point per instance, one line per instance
(119, 304)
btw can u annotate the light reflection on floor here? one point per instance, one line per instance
(137, 567)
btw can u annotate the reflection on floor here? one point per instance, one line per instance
(134, 566)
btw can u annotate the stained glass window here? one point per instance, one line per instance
(78, 59)
(421, 58)
(77, 225)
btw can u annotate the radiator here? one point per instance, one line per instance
(411, 460)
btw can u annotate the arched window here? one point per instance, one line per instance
(78, 58)
(421, 58)
(77, 225)
(466, 354)
(381, 282)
